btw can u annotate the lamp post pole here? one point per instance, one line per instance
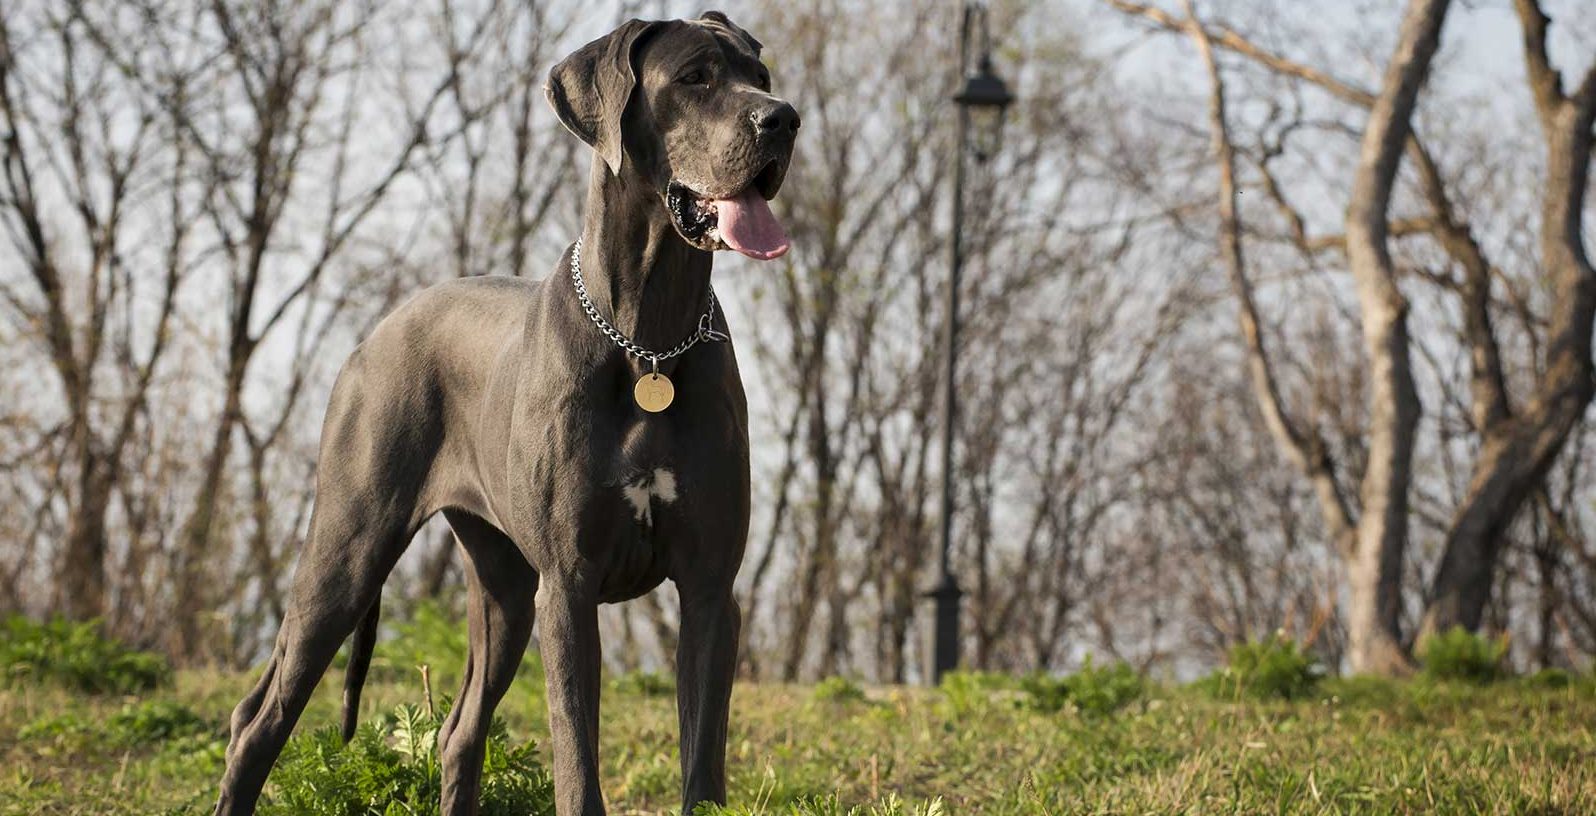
(947, 593)
(985, 91)
(982, 91)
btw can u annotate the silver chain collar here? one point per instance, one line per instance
(704, 332)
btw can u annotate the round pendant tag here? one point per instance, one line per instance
(654, 392)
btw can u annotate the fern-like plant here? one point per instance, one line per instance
(391, 767)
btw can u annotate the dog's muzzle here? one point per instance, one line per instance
(741, 222)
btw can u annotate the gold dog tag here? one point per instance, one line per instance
(654, 392)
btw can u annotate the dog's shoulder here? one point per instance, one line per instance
(451, 313)
(482, 296)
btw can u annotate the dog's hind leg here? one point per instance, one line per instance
(339, 577)
(500, 589)
(360, 646)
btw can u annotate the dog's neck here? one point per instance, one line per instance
(649, 282)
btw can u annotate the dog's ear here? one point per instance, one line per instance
(591, 89)
(720, 20)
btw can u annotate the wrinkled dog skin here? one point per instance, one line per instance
(498, 403)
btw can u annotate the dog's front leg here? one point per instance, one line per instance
(568, 618)
(706, 659)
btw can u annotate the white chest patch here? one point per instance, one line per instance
(641, 493)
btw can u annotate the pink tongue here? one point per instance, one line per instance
(747, 225)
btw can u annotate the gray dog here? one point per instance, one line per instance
(586, 436)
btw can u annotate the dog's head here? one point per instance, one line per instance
(688, 106)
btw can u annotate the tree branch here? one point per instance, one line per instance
(1310, 455)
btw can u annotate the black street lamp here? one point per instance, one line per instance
(982, 102)
(984, 99)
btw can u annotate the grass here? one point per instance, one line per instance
(1352, 746)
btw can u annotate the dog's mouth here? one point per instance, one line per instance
(741, 222)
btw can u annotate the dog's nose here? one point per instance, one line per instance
(777, 118)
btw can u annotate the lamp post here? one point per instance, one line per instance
(983, 100)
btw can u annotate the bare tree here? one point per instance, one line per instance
(1374, 540)
(285, 63)
(1518, 447)
(1512, 441)
(82, 154)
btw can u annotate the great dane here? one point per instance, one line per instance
(534, 417)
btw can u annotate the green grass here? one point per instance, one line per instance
(1352, 746)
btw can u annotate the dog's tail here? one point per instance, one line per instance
(360, 646)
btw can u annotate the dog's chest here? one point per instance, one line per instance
(640, 558)
(659, 495)
(649, 476)
(654, 487)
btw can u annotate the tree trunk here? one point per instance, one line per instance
(1547, 567)
(803, 615)
(1519, 451)
(822, 565)
(189, 601)
(1374, 546)
(80, 582)
(1374, 568)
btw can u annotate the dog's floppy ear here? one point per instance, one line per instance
(720, 19)
(590, 89)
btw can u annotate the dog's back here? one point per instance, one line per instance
(410, 404)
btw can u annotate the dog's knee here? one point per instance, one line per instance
(461, 745)
(461, 753)
(248, 709)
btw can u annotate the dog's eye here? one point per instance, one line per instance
(694, 77)
(764, 80)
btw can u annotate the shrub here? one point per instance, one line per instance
(392, 767)
(154, 721)
(1093, 690)
(1273, 668)
(837, 690)
(1458, 654)
(643, 684)
(76, 657)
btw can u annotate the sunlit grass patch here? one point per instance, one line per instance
(1352, 745)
